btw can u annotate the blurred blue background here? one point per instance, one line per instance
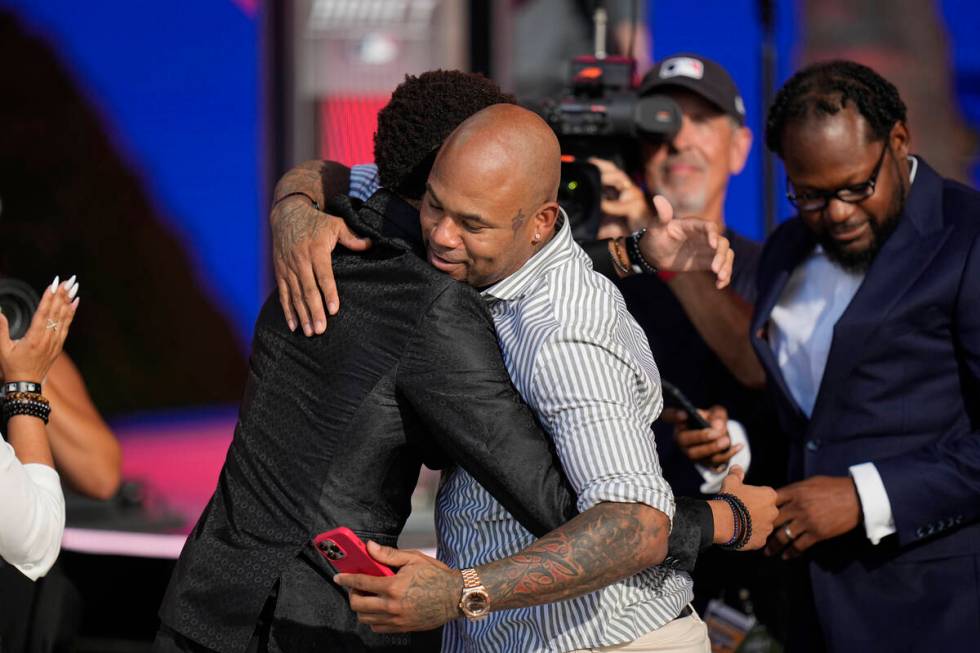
(177, 86)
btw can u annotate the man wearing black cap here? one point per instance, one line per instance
(678, 312)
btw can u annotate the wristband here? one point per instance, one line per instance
(617, 260)
(635, 255)
(743, 522)
(21, 386)
(23, 407)
(25, 396)
(316, 205)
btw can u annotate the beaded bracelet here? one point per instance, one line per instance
(33, 404)
(743, 521)
(738, 529)
(747, 521)
(26, 396)
(738, 525)
(635, 255)
(32, 408)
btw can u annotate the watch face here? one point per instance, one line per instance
(476, 603)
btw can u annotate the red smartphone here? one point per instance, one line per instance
(347, 554)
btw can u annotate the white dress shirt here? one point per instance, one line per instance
(801, 331)
(32, 514)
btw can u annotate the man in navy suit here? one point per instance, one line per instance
(868, 327)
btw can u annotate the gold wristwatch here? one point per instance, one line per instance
(475, 602)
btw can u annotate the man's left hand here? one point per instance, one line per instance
(813, 510)
(423, 595)
(686, 244)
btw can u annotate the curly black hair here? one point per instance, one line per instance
(826, 88)
(422, 113)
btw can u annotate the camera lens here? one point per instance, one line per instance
(657, 116)
(18, 301)
(333, 551)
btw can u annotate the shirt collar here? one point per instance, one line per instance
(555, 251)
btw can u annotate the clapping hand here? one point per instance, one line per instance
(30, 358)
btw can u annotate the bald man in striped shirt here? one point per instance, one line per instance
(490, 218)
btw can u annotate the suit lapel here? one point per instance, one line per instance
(792, 250)
(897, 266)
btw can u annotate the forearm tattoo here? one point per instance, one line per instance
(608, 542)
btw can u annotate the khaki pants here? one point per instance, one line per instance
(684, 635)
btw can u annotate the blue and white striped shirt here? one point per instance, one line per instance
(584, 366)
(363, 181)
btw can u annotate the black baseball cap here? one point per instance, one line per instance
(699, 75)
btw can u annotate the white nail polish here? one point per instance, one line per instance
(74, 304)
(73, 291)
(54, 285)
(68, 284)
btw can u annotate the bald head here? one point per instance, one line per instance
(507, 141)
(490, 202)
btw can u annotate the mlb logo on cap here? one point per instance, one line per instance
(699, 75)
(681, 67)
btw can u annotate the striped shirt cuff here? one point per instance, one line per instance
(619, 492)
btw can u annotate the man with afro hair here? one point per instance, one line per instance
(333, 430)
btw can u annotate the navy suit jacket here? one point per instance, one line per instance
(901, 389)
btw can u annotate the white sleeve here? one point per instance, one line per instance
(878, 519)
(713, 479)
(32, 514)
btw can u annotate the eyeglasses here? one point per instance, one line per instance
(817, 200)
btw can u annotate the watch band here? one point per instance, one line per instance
(471, 579)
(21, 386)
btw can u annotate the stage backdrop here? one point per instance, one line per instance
(130, 154)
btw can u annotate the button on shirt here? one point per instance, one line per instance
(584, 366)
(802, 329)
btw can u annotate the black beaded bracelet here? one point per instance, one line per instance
(21, 386)
(738, 524)
(634, 253)
(746, 520)
(743, 522)
(31, 408)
